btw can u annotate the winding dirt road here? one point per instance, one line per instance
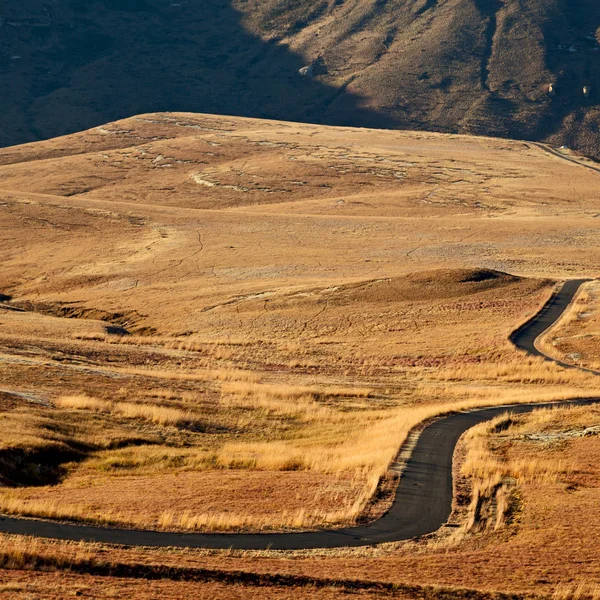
(424, 495)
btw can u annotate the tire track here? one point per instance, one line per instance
(554, 152)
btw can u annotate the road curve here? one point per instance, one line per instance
(423, 499)
(526, 335)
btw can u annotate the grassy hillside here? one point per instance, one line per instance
(219, 324)
(470, 66)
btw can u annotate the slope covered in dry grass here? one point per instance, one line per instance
(206, 297)
(575, 339)
(544, 547)
(216, 323)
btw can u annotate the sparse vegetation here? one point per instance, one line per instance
(495, 474)
(524, 370)
(162, 415)
(28, 556)
(574, 339)
(220, 359)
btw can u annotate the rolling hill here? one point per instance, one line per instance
(224, 324)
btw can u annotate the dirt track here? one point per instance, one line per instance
(554, 152)
(423, 499)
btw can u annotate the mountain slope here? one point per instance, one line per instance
(470, 66)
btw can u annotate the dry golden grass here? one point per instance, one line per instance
(289, 424)
(207, 375)
(306, 402)
(350, 424)
(83, 402)
(574, 339)
(49, 509)
(524, 369)
(495, 474)
(303, 518)
(361, 445)
(494, 479)
(580, 591)
(486, 558)
(291, 335)
(299, 519)
(18, 552)
(157, 414)
(488, 563)
(162, 415)
(53, 571)
(293, 393)
(485, 468)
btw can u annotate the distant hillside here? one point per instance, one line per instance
(471, 66)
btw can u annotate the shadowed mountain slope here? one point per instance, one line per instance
(75, 64)
(469, 66)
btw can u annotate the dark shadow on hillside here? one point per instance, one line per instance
(489, 10)
(574, 59)
(70, 66)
